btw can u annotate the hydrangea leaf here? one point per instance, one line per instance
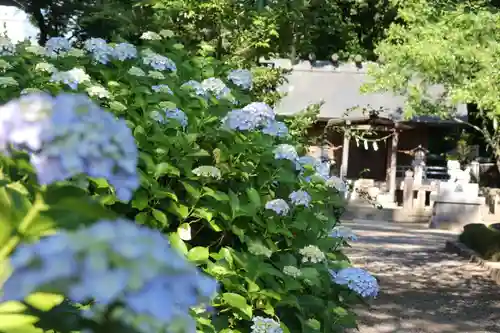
(198, 253)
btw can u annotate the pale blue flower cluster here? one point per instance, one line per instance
(216, 87)
(194, 86)
(114, 263)
(57, 45)
(279, 206)
(357, 280)
(6, 47)
(175, 114)
(276, 128)
(344, 233)
(265, 325)
(253, 116)
(159, 62)
(300, 198)
(99, 50)
(241, 78)
(322, 169)
(68, 135)
(124, 51)
(162, 88)
(285, 152)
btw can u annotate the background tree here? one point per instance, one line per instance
(457, 46)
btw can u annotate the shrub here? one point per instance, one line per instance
(482, 239)
(211, 170)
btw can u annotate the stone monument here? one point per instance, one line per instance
(457, 202)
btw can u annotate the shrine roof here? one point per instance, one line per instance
(338, 89)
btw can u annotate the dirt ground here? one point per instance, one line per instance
(423, 288)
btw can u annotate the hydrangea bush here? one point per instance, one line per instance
(235, 229)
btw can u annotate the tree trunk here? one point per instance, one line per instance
(40, 20)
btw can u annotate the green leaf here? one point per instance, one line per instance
(140, 200)
(193, 191)
(165, 168)
(235, 203)
(177, 243)
(44, 301)
(160, 217)
(198, 253)
(14, 319)
(73, 213)
(254, 197)
(217, 195)
(178, 209)
(239, 302)
(203, 213)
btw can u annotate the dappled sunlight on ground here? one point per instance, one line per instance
(423, 288)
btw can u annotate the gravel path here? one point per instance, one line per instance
(423, 289)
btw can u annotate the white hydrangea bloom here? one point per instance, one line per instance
(312, 253)
(45, 67)
(279, 206)
(97, 91)
(259, 249)
(7, 81)
(150, 35)
(265, 325)
(207, 171)
(292, 271)
(4, 65)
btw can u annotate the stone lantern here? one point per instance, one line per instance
(418, 164)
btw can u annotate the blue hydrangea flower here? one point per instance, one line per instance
(113, 263)
(306, 160)
(71, 78)
(241, 78)
(300, 198)
(162, 88)
(279, 206)
(265, 325)
(99, 49)
(343, 232)
(6, 47)
(337, 183)
(194, 86)
(276, 128)
(68, 135)
(124, 51)
(158, 62)
(357, 280)
(56, 46)
(240, 120)
(285, 152)
(322, 169)
(175, 114)
(251, 117)
(216, 87)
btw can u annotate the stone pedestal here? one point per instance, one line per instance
(456, 205)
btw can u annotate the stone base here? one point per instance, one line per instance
(454, 215)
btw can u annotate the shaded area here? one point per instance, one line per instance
(423, 288)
